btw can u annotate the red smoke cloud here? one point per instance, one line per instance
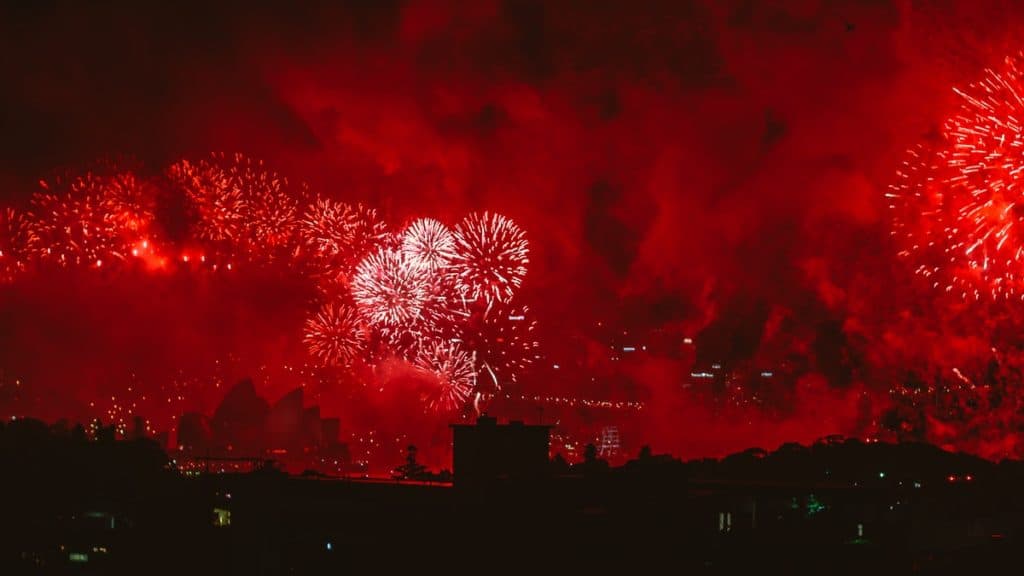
(713, 168)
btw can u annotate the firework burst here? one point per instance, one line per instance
(389, 290)
(339, 235)
(129, 201)
(490, 257)
(429, 244)
(454, 372)
(335, 335)
(240, 205)
(959, 204)
(220, 208)
(72, 225)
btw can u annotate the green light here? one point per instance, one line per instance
(78, 557)
(881, 474)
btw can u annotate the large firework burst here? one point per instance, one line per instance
(491, 256)
(389, 290)
(959, 203)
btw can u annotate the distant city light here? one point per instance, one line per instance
(766, 374)
(701, 375)
(517, 318)
(629, 348)
(687, 340)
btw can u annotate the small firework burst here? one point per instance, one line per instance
(428, 243)
(129, 201)
(453, 370)
(335, 335)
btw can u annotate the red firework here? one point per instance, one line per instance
(335, 335)
(453, 370)
(238, 202)
(389, 290)
(341, 234)
(429, 244)
(504, 342)
(76, 226)
(490, 257)
(15, 239)
(129, 202)
(220, 209)
(960, 205)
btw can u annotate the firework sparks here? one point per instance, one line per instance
(453, 369)
(15, 239)
(504, 342)
(335, 335)
(491, 256)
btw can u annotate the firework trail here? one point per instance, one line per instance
(335, 335)
(454, 372)
(490, 257)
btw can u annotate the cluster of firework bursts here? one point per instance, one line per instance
(438, 297)
(958, 201)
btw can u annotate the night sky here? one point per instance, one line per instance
(715, 169)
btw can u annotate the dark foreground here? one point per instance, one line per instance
(73, 505)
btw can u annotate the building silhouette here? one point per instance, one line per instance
(488, 452)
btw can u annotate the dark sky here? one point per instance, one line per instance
(718, 165)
